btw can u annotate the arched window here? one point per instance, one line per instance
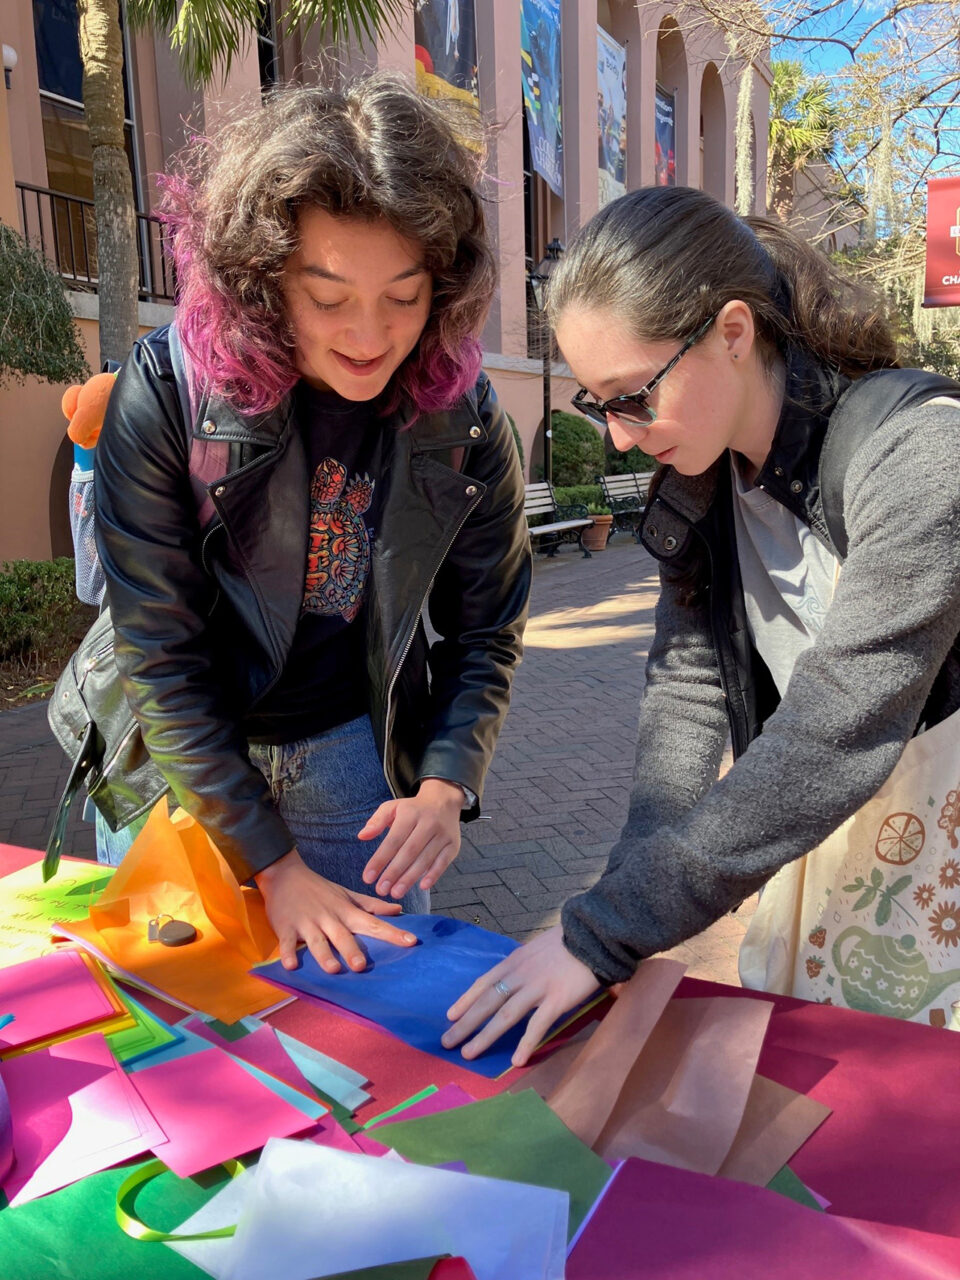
(713, 133)
(671, 101)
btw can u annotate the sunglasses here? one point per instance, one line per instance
(634, 407)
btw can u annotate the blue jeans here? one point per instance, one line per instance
(325, 788)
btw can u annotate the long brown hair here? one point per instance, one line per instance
(374, 148)
(666, 259)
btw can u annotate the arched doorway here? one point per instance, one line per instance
(672, 97)
(713, 133)
(61, 540)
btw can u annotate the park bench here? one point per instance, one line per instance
(563, 523)
(626, 496)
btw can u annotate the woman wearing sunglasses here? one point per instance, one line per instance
(723, 347)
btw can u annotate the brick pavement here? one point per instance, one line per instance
(557, 792)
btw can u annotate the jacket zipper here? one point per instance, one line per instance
(387, 772)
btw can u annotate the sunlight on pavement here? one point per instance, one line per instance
(614, 620)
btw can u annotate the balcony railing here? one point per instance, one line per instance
(62, 227)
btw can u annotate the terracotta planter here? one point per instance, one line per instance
(595, 538)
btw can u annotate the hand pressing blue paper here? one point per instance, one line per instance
(409, 990)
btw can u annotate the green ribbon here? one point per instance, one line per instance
(134, 1227)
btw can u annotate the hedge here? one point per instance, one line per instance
(40, 616)
(578, 455)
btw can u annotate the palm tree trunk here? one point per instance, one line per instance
(101, 49)
(782, 188)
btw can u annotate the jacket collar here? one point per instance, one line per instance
(443, 429)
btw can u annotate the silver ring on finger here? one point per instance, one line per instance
(502, 989)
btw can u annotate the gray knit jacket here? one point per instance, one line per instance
(693, 847)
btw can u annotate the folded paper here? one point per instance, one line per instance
(212, 1109)
(375, 1212)
(678, 1225)
(408, 990)
(513, 1136)
(55, 995)
(74, 1112)
(173, 869)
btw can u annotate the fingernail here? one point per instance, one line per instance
(398, 890)
(357, 962)
(383, 887)
(426, 884)
(331, 966)
(409, 937)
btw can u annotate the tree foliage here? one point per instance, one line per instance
(578, 455)
(803, 129)
(38, 336)
(206, 35)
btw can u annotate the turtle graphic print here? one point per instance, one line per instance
(338, 549)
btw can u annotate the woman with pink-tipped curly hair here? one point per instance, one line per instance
(334, 276)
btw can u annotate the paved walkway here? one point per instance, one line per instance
(557, 792)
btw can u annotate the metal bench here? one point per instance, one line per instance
(569, 521)
(626, 496)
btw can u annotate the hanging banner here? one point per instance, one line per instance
(942, 284)
(612, 111)
(665, 140)
(445, 38)
(540, 67)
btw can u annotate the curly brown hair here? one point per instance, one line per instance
(374, 148)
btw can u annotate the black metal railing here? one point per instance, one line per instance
(62, 227)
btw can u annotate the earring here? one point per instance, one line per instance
(735, 356)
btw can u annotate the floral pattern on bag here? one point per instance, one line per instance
(870, 919)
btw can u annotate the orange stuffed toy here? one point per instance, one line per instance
(84, 408)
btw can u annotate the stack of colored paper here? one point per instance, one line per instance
(74, 1112)
(54, 997)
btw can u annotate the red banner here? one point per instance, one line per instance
(942, 285)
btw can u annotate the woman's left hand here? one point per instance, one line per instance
(541, 975)
(424, 838)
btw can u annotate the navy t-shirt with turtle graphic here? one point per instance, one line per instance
(324, 682)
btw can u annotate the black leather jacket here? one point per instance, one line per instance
(205, 619)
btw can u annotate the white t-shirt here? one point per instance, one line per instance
(788, 576)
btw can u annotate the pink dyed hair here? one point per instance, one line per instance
(376, 149)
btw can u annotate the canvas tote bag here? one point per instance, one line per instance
(870, 918)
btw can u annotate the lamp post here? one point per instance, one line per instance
(538, 282)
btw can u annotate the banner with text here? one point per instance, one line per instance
(445, 36)
(665, 140)
(540, 64)
(612, 112)
(942, 284)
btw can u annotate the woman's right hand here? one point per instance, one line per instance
(302, 904)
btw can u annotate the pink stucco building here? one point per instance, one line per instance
(672, 55)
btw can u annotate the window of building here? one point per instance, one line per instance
(536, 208)
(66, 223)
(60, 72)
(267, 47)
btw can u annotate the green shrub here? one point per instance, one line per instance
(40, 615)
(598, 509)
(622, 464)
(578, 494)
(578, 456)
(517, 441)
(37, 334)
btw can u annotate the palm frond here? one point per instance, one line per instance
(206, 35)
